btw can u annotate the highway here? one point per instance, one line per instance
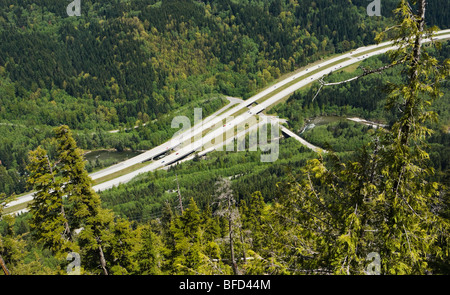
(301, 140)
(216, 121)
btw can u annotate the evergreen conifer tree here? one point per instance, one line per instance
(49, 219)
(342, 214)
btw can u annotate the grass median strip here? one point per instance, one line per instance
(16, 208)
(303, 77)
(121, 172)
(372, 50)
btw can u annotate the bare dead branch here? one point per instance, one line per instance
(366, 72)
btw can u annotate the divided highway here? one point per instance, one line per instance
(289, 85)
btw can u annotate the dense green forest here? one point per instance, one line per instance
(364, 99)
(66, 81)
(144, 198)
(122, 63)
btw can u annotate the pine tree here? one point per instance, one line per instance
(149, 256)
(87, 211)
(342, 213)
(412, 227)
(167, 217)
(122, 248)
(13, 250)
(194, 252)
(191, 220)
(211, 224)
(167, 237)
(78, 184)
(252, 219)
(186, 232)
(49, 219)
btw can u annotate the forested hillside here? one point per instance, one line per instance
(131, 66)
(125, 62)
(364, 99)
(134, 56)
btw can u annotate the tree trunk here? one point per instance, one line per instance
(179, 195)
(5, 269)
(233, 261)
(409, 104)
(66, 223)
(244, 255)
(418, 41)
(230, 228)
(102, 257)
